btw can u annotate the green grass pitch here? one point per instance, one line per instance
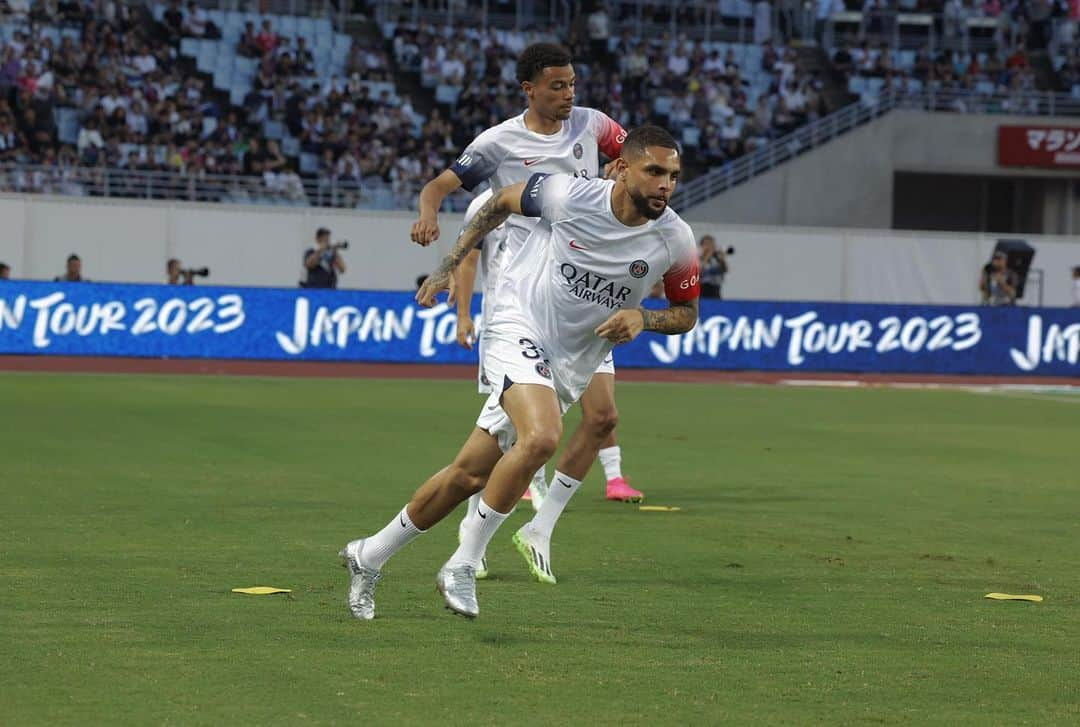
(828, 565)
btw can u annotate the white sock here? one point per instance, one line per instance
(611, 461)
(562, 489)
(470, 507)
(476, 534)
(540, 478)
(398, 533)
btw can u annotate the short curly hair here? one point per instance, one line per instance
(538, 56)
(645, 136)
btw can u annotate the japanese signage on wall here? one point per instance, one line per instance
(88, 319)
(1054, 147)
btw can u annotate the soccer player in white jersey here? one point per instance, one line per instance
(569, 294)
(551, 136)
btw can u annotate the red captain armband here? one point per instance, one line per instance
(682, 284)
(611, 138)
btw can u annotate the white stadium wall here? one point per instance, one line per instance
(129, 241)
(262, 246)
(848, 182)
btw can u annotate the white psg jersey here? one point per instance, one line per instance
(579, 267)
(510, 153)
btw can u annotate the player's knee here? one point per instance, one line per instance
(540, 445)
(602, 421)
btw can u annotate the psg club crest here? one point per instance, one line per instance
(578, 151)
(543, 369)
(639, 269)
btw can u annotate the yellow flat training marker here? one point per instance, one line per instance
(1010, 597)
(658, 508)
(261, 590)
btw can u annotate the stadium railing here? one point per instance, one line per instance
(158, 185)
(816, 133)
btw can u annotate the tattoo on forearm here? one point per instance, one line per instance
(679, 318)
(486, 219)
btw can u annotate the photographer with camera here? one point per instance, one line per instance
(714, 266)
(997, 282)
(323, 262)
(180, 276)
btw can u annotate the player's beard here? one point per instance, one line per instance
(641, 202)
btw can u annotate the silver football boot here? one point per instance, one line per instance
(362, 581)
(457, 585)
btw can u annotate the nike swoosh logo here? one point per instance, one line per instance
(402, 518)
(563, 482)
(575, 246)
(530, 162)
(482, 515)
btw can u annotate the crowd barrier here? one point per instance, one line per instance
(91, 319)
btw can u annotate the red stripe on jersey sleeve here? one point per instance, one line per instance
(682, 283)
(610, 137)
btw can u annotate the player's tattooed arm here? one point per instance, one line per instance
(678, 318)
(626, 325)
(487, 218)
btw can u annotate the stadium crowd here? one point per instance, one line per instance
(1000, 65)
(88, 87)
(704, 94)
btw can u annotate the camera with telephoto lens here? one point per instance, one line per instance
(340, 245)
(730, 251)
(196, 272)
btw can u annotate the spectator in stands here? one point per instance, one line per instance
(323, 262)
(173, 20)
(1076, 285)
(73, 273)
(1069, 73)
(5, 274)
(598, 26)
(290, 184)
(197, 24)
(249, 45)
(267, 40)
(254, 158)
(145, 63)
(843, 60)
(997, 283)
(714, 267)
(304, 61)
(12, 142)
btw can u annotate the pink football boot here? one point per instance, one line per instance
(619, 489)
